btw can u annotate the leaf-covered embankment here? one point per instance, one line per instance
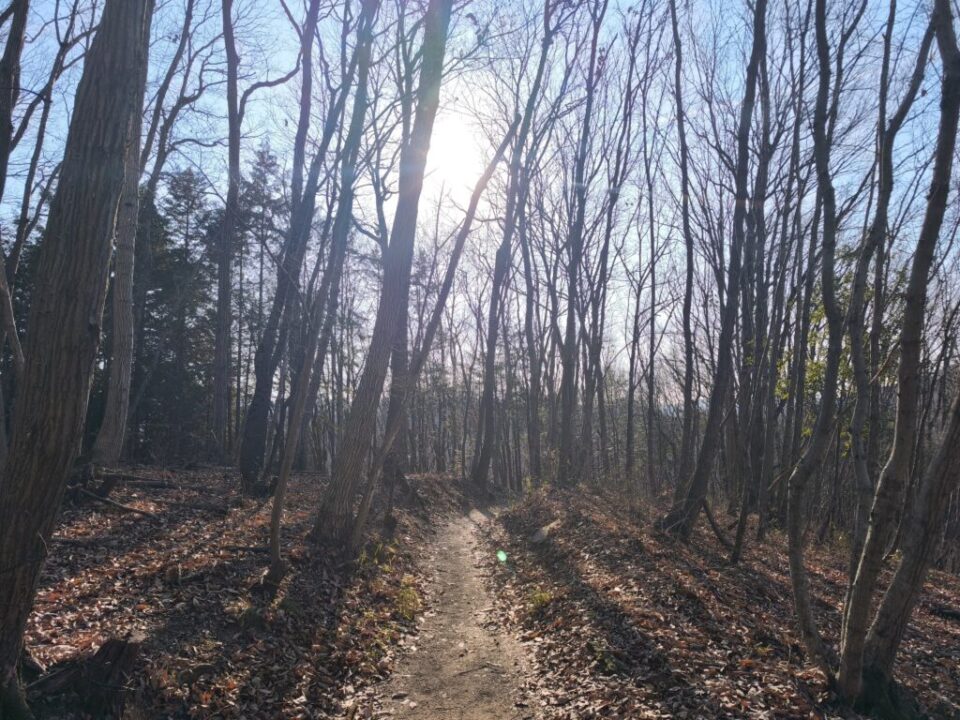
(623, 623)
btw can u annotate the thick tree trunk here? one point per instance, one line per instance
(51, 401)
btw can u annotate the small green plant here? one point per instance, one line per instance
(538, 599)
(377, 555)
(408, 601)
(290, 606)
(607, 661)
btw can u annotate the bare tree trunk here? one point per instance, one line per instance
(682, 516)
(274, 336)
(10, 82)
(920, 541)
(487, 422)
(51, 401)
(632, 383)
(109, 443)
(9, 93)
(653, 483)
(226, 241)
(321, 312)
(534, 390)
(569, 457)
(335, 516)
(686, 438)
(516, 203)
(822, 434)
(405, 381)
(896, 473)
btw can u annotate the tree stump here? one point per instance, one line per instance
(102, 681)
(99, 681)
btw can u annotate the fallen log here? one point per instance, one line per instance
(210, 507)
(119, 506)
(119, 478)
(947, 613)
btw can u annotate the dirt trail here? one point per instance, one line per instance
(463, 668)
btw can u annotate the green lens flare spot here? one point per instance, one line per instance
(501, 556)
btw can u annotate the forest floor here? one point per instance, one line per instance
(564, 605)
(187, 579)
(621, 622)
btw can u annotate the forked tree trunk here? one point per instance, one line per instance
(335, 515)
(321, 312)
(569, 468)
(895, 474)
(822, 434)
(682, 516)
(919, 543)
(64, 323)
(860, 592)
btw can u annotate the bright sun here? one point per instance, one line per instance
(455, 161)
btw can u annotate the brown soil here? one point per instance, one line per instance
(462, 667)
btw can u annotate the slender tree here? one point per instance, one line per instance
(335, 516)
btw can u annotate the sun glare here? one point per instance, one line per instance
(455, 161)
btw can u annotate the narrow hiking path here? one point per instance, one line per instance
(463, 666)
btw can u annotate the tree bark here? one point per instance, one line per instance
(109, 443)
(896, 473)
(682, 516)
(335, 516)
(51, 401)
(569, 469)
